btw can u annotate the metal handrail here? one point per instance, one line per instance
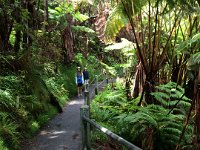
(93, 81)
(128, 145)
(86, 122)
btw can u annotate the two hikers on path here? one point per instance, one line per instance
(81, 78)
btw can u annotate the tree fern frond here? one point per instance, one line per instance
(6, 100)
(124, 44)
(171, 131)
(160, 97)
(184, 103)
(171, 94)
(171, 138)
(190, 42)
(108, 69)
(169, 123)
(137, 130)
(121, 117)
(143, 118)
(194, 61)
(156, 108)
(116, 20)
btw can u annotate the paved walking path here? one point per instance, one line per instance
(62, 132)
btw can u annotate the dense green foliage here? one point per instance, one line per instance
(155, 49)
(25, 103)
(145, 125)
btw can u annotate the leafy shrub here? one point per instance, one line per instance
(68, 79)
(57, 90)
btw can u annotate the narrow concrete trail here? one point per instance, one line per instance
(64, 131)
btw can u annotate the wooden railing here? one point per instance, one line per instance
(86, 122)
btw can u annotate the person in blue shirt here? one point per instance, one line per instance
(85, 76)
(79, 81)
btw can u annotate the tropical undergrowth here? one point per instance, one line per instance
(155, 126)
(27, 102)
(32, 91)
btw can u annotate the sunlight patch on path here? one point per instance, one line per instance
(75, 103)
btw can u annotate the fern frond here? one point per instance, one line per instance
(8, 130)
(169, 123)
(137, 130)
(123, 45)
(116, 20)
(171, 131)
(194, 61)
(6, 100)
(192, 42)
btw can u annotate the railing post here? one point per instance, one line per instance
(86, 87)
(85, 128)
(86, 98)
(96, 85)
(17, 102)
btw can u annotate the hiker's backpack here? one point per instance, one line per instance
(79, 78)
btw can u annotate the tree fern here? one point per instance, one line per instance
(171, 94)
(116, 20)
(138, 124)
(162, 125)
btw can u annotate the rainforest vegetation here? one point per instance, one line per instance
(151, 48)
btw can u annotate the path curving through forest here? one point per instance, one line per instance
(64, 131)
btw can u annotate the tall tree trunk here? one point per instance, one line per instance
(5, 31)
(68, 41)
(30, 23)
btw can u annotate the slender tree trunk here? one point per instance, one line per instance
(139, 81)
(46, 14)
(17, 41)
(5, 31)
